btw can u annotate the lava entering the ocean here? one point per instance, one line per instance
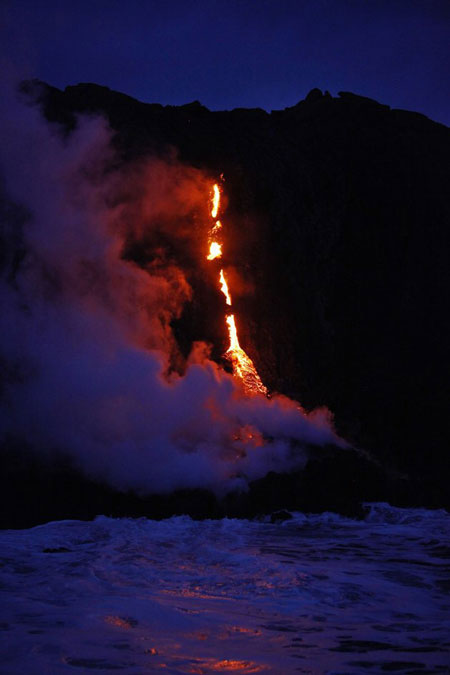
(242, 364)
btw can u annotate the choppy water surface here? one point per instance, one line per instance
(316, 594)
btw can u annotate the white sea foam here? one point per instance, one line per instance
(323, 594)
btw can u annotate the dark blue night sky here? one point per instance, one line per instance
(233, 53)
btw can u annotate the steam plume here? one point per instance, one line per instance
(85, 337)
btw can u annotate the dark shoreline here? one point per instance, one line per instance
(34, 492)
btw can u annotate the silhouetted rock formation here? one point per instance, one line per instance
(341, 211)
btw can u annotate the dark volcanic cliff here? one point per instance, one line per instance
(341, 209)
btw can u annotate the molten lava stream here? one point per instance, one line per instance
(242, 364)
(215, 251)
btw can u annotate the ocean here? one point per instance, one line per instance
(312, 594)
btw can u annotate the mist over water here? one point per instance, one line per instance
(86, 342)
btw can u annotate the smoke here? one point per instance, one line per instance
(86, 345)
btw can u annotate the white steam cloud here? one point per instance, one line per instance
(85, 338)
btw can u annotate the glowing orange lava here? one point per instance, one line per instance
(242, 364)
(215, 251)
(215, 201)
(224, 288)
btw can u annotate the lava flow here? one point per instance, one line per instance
(242, 364)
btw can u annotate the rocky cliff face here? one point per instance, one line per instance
(341, 210)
